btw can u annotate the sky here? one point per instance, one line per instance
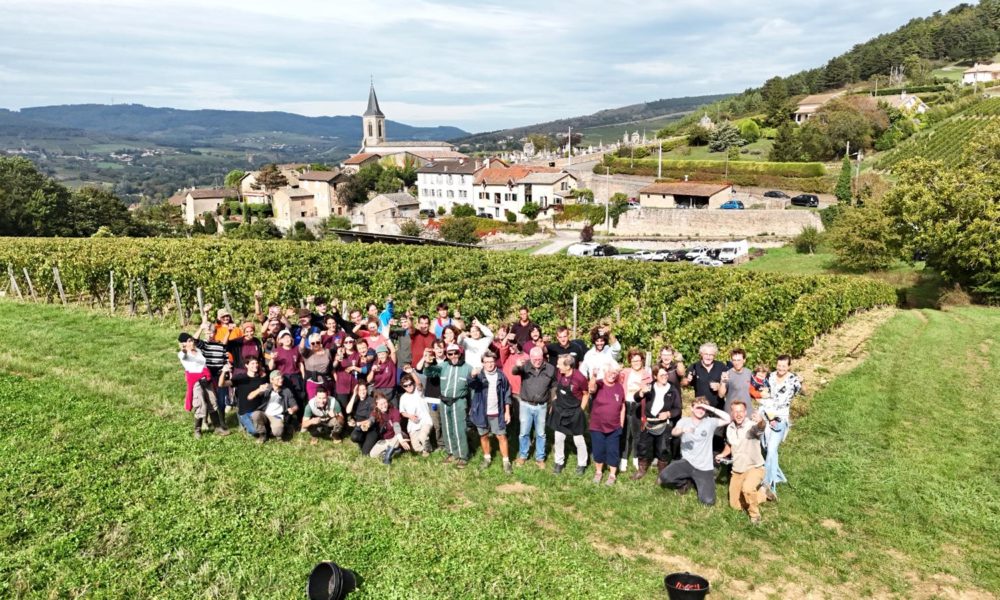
(476, 65)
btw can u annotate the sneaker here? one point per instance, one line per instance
(623, 465)
(261, 438)
(485, 464)
(597, 477)
(197, 434)
(611, 480)
(222, 432)
(507, 468)
(460, 464)
(557, 469)
(425, 454)
(520, 461)
(540, 464)
(581, 470)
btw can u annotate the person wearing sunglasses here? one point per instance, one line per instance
(413, 407)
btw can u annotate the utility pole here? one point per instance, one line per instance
(857, 175)
(607, 200)
(847, 152)
(569, 148)
(659, 163)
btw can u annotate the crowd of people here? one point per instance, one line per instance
(404, 383)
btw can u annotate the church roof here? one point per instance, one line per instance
(373, 109)
(412, 144)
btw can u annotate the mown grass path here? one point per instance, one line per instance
(103, 493)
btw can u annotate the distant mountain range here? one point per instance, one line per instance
(634, 116)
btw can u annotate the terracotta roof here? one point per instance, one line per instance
(686, 188)
(501, 175)
(990, 68)
(319, 175)
(357, 159)
(177, 199)
(545, 178)
(209, 193)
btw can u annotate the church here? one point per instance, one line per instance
(375, 145)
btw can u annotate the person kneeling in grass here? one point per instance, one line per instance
(387, 423)
(696, 464)
(281, 406)
(607, 418)
(746, 488)
(490, 410)
(413, 406)
(322, 417)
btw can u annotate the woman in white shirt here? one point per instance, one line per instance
(413, 407)
(475, 343)
(776, 409)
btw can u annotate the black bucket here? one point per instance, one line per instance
(685, 579)
(328, 581)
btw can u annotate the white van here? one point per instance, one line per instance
(732, 251)
(582, 249)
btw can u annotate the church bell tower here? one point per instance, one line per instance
(373, 122)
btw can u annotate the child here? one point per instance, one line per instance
(758, 383)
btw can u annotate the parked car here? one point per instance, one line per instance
(582, 249)
(775, 194)
(693, 253)
(427, 213)
(730, 252)
(605, 250)
(810, 200)
(714, 253)
(732, 205)
(705, 261)
(643, 255)
(484, 215)
(673, 255)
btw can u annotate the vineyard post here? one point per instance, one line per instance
(343, 308)
(131, 297)
(201, 304)
(31, 286)
(574, 315)
(618, 315)
(225, 301)
(145, 298)
(111, 292)
(664, 314)
(180, 308)
(59, 286)
(13, 283)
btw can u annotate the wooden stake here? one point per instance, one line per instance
(59, 286)
(574, 315)
(343, 309)
(111, 292)
(31, 286)
(180, 308)
(618, 315)
(145, 298)
(201, 304)
(664, 318)
(131, 297)
(13, 283)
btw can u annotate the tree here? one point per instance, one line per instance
(336, 222)
(838, 73)
(531, 210)
(724, 136)
(93, 208)
(699, 136)
(864, 239)
(749, 130)
(775, 96)
(786, 146)
(368, 176)
(411, 228)
(843, 189)
(259, 230)
(807, 241)
(584, 194)
(233, 180)
(813, 142)
(269, 178)
(460, 230)
(353, 191)
(300, 232)
(463, 210)
(30, 202)
(511, 216)
(388, 181)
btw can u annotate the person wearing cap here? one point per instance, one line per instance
(455, 377)
(658, 406)
(537, 387)
(304, 329)
(413, 408)
(200, 394)
(382, 375)
(322, 417)
(743, 445)
(490, 408)
(280, 408)
(224, 330)
(288, 361)
(696, 466)
(607, 417)
(569, 414)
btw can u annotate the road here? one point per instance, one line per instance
(563, 239)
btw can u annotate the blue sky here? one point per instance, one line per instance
(476, 65)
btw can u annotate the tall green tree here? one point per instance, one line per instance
(93, 208)
(775, 95)
(232, 181)
(843, 189)
(786, 146)
(269, 179)
(724, 136)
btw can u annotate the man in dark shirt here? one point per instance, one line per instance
(523, 326)
(706, 375)
(563, 346)
(243, 382)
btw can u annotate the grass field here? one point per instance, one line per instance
(757, 151)
(103, 492)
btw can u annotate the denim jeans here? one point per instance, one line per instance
(773, 436)
(532, 415)
(246, 420)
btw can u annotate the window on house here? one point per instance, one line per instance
(380, 134)
(513, 197)
(449, 179)
(463, 194)
(451, 194)
(369, 130)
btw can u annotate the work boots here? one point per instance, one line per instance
(641, 472)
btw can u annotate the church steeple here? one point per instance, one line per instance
(373, 121)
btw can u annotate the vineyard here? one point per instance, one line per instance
(646, 302)
(945, 142)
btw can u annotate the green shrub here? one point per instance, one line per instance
(411, 228)
(531, 210)
(529, 228)
(459, 229)
(510, 216)
(807, 241)
(463, 210)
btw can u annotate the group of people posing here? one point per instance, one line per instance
(405, 383)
